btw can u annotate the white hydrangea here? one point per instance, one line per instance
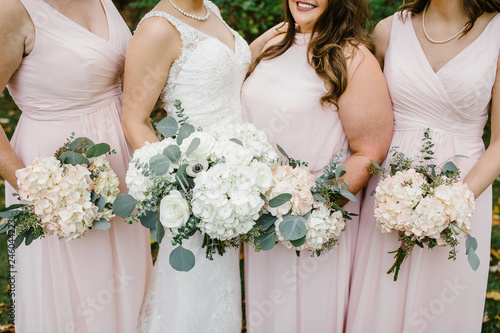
(60, 196)
(322, 226)
(252, 139)
(227, 200)
(139, 185)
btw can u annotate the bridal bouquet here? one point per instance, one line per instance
(427, 205)
(303, 212)
(65, 195)
(199, 180)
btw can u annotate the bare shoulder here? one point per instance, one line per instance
(13, 18)
(358, 56)
(273, 41)
(381, 36)
(157, 29)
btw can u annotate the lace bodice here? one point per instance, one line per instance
(208, 75)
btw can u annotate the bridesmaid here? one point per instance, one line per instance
(441, 62)
(61, 61)
(314, 91)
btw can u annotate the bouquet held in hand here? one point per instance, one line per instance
(303, 212)
(198, 180)
(427, 205)
(65, 195)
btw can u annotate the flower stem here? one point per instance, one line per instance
(400, 257)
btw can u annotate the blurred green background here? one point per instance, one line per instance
(250, 18)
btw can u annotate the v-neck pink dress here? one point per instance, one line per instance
(70, 82)
(284, 292)
(432, 294)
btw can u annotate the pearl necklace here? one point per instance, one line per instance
(439, 41)
(199, 18)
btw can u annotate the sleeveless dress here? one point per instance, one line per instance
(207, 79)
(432, 294)
(284, 292)
(70, 82)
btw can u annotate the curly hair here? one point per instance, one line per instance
(473, 8)
(342, 24)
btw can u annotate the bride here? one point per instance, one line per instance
(183, 50)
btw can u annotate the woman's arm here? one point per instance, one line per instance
(260, 43)
(487, 168)
(155, 45)
(380, 38)
(17, 33)
(366, 113)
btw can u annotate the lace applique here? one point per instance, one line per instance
(207, 76)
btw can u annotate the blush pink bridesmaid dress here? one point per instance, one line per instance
(286, 293)
(70, 82)
(432, 294)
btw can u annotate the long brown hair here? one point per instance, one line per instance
(342, 24)
(473, 8)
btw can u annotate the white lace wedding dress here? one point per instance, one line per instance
(207, 79)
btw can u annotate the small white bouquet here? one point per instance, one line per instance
(65, 195)
(425, 207)
(303, 212)
(209, 181)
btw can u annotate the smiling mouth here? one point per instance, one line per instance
(303, 5)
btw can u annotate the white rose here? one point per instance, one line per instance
(234, 153)
(174, 210)
(204, 149)
(263, 176)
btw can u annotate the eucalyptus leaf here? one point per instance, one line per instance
(182, 259)
(266, 242)
(348, 195)
(236, 141)
(185, 131)
(10, 214)
(102, 224)
(159, 164)
(93, 196)
(19, 240)
(100, 202)
(293, 227)
(11, 207)
(150, 219)
(124, 205)
(173, 153)
(77, 141)
(339, 170)
(98, 150)
(282, 152)
(470, 242)
(73, 158)
(473, 260)
(182, 177)
(192, 146)
(375, 164)
(30, 237)
(318, 197)
(449, 167)
(160, 232)
(279, 200)
(167, 127)
(463, 156)
(265, 221)
(299, 242)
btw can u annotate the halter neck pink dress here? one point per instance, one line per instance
(70, 82)
(286, 293)
(432, 294)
